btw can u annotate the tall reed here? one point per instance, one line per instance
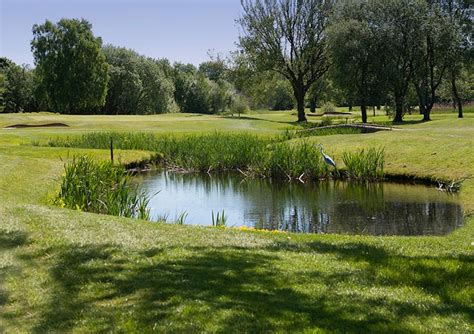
(215, 151)
(295, 161)
(101, 187)
(252, 155)
(220, 220)
(365, 163)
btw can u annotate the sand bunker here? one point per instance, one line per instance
(47, 125)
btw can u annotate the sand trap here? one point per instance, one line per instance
(47, 125)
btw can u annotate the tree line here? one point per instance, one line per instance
(292, 53)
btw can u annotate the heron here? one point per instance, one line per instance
(327, 158)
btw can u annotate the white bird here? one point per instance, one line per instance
(327, 158)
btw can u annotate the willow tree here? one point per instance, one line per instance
(289, 37)
(70, 64)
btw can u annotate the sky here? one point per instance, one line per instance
(180, 30)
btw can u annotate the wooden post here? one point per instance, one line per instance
(111, 150)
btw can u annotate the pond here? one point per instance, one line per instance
(322, 207)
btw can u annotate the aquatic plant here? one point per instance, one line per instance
(250, 154)
(365, 163)
(181, 219)
(101, 187)
(219, 220)
(215, 151)
(162, 218)
(296, 161)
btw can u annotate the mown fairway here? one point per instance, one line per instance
(68, 271)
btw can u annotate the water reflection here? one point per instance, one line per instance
(326, 207)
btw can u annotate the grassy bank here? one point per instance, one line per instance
(64, 270)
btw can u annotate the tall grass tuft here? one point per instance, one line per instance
(219, 220)
(295, 161)
(101, 187)
(365, 164)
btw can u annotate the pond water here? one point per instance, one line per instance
(323, 207)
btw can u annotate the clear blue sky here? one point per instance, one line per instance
(180, 30)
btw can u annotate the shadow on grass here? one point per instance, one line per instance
(232, 289)
(410, 122)
(248, 118)
(442, 277)
(8, 241)
(11, 239)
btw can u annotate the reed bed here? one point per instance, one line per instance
(101, 187)
(365, 163)
(296, 161)
(250, 154)
(216, 151)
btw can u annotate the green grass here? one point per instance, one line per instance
(64, 270)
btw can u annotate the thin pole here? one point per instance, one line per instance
(111, 149)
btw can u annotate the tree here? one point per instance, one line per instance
(137, 85)
(356, 56)
(464, 88)
(18, 95)
(183, 78)
(263, 89)
(71, 65)
(460, 13)
(398, 25)
(289, 37)
(125, 85)
(214, 69)
(157, 93)
(438, 41)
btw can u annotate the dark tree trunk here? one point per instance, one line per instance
(363, 110)
(456, 98)
(299, 96)
(426, 115)
(460, 115)
(398, 110)
(350, 107)
(312, 105)
(423, 102)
